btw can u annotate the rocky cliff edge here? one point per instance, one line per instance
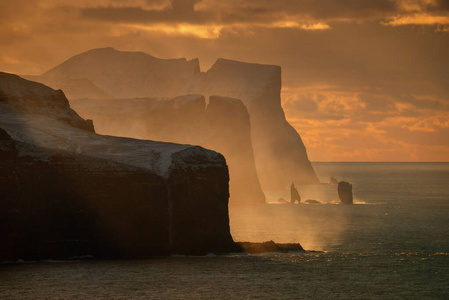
(66, 191)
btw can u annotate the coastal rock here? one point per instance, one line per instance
(332, 180)
(279, 152)
(345, 192)
(270, 246)
(66, 191)
(312, 201)
(282, 200)
(223, 125)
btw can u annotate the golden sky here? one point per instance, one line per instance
(362, 80)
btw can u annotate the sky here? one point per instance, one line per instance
(362, 80)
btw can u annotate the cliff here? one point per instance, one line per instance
(66, 191)
(280, 155)
(222, 125)
(123, 74)
(279, 152)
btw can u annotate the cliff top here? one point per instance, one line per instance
(35, 98)
(40, 120)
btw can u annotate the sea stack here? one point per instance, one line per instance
(332, 180)
(345, 192)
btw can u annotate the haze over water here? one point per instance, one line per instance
(392, 244)
(361, 81)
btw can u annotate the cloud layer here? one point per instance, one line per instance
(362, 80)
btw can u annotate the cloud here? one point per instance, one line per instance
(417, 19)
(432, 124)
(362, 80)
(199, 31)
(368, 124)
(179, 11)
(305, 14)
(420, 12)
(188, 17)
(315, 26)
(145, 4)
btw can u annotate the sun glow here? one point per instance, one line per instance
(315, 26)
(417, 19)
(199, 31)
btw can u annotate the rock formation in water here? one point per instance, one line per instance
(269, 246)
(222, 125)
(345, 192)
(294, 194)
(66, 191)
(279, 152)
(333, 180)
(312, 201)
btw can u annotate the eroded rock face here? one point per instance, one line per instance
(279, 152)
(33, 98)
(222, 125)
(66, 191)
(278, 149)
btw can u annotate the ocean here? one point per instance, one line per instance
(393, 243)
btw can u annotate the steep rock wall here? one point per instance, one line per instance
(66, 191)
(222, 125)
(279, 152)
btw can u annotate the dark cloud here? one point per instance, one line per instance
(180, 11)
(250, 11)
(332, 9)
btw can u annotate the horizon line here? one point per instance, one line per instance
(347, 161)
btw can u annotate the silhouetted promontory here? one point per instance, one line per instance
(66, 191)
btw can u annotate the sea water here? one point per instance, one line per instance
(393, 243)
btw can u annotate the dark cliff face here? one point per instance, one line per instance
(280, 154)
(70, 192)
(189, 185)
(30, 97)
(222, 125)
(62, 205)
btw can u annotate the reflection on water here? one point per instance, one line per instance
(398, 206)
(393, 245)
